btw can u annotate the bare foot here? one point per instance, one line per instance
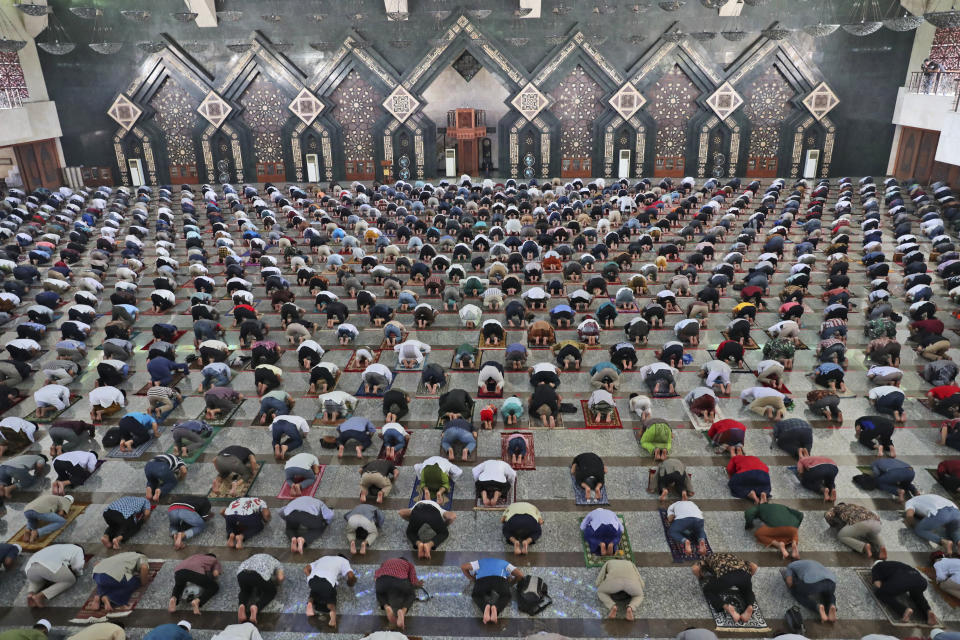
(613, 612)
(629, 614)
(172, 606)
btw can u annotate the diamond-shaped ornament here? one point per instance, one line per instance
(530, 101)
(124, 112)
(725, 100)
(821, 101)
(215, 109)
(306, 106)
(400, 104)
(627, 101)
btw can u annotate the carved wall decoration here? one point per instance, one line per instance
(767, 105)
(357, 107)
(124, 112)
(176, 116)
(467, 66)
(265, 112)
(672, 102)
(577, 102)
(945, 49)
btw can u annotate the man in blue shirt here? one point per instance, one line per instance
(358, 429)
(161, 370)
(170, 631)
(492, 578)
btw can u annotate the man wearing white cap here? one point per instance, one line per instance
(39, 631)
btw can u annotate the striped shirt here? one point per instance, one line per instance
(161, 392)
(170, 459)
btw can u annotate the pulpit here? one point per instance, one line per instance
(467, 127)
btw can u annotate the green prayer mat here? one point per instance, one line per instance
(624, 551)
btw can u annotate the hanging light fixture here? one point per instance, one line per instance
(229, 16)
(323, 45)
(239, 47)
(33, 9)
(674, 36)
(195, 46)
(136, 15)
(58, 42)
(864, 20)
(151, 46)
(825, 24)
(671, 5)
(734, 35)
(713, 4)
(184, 16)
(775, 33)
(944, 19)
(555, 39)
(85, 11)
(518, 42)
(282, 47)
(756, 3)
(101, 42)
(703, 36)
(479, 14)
(637, 39)
(8, 36)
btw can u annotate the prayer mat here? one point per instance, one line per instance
(224, 418)
(529, 460)
(624, 551)
(224, 493)
(176, 336)
(701, 424)
(931, 574)
(52, 417)
(309, 491)
(533, 422)
(483, 393)
(241, 363)
(502, 344)
(474, 367)
(926, 402)
(750, 345)
(676, 549)
(133, 335)
(782, 388)
(505, 500)
(361, 390)
(386, 346)
(15, 403)
(419, 367)
(166, 414)
(177, 378)
(725, 623)
(354, 367)
(416, 497)
(592, 422)
(423, 392)
(89, 615)
(398, 454)
(336, 421)
(193, 457)
(580, 497)
(20, 536)
(116, 452)
(892, 618)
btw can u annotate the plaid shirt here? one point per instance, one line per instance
(397, 568)
(129, 506)
(844, 514)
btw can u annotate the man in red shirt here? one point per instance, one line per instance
(946, 400)
(727, 435)
(749, 478)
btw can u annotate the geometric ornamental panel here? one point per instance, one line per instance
(306, 106)
(175, 116)
(724, 101)
(672, 103)
(627, 101)
(767, 106)
(400, 104)
(821, 101)
(529, 101)
(124, 112)
(356, 109)
(214, 109)
(576, 104)
(263, 111)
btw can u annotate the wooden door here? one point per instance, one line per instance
(907, 152)
(271, 172)
(925, 156)
(183, 174)
(360, 170)
(761, 167)
(668, 167)
(38, 164)
(467, 157)
(576, 167)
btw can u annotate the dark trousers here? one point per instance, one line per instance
(208, 584)
(75, 474)
(305, 525)
(820, 476)
(396, 593)
(491, 590)
(254, 590)
(117, 525)
(735, 581)
(911, 585)
(813, 594)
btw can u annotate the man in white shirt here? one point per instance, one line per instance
(686, 526)
(765, 401)
(445, 465)
(73, 468)
(51, 571)
(322, 577)
(16, 432)
(716, 375)
(493, 479)
(105, 401)
(52, 398)
(375, 377)
(287, 432)
(947, 573)
(937, 514)
(411, 353)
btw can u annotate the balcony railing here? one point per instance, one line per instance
(938, 83)
(11, 98)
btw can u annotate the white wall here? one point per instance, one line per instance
(7, 153)
(450, 91)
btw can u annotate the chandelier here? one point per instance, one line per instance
(101, 42)
(944, 19)
(826, 24)
(58, 43)
(151, 46)
(671, 5)
(8, 36)
(903, 23)
(864, 19)
(775, 33)
(674, 36)
(184, 16)
(479, 14)
(756, 3)
(229, 16)
(323, 45)
(713, 4)
(239, 47)
(734, 35)
(85, 11)
(33, 9)
(135, 15)
(703, 36)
